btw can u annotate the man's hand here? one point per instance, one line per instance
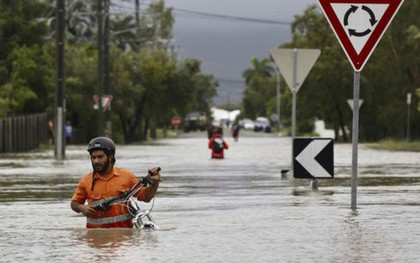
(86, 210)
(153, 175)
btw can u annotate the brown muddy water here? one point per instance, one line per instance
(239, 209)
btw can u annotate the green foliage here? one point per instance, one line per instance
(15, 92)
(80, 87)
(23, 59)
(150, 95)
(148, 87)
(260, 88)
(392, 71)
(200, 87)
(418, 95)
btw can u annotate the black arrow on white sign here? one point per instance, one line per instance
(313, 158)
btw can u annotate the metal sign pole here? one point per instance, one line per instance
(408, 115)
(358, 49)
(294, 65)
(355, 135)
(278, 99)
(294, 91)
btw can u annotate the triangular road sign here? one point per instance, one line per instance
(351, 103)
(285, 61)
(359, 25)
(105, 99)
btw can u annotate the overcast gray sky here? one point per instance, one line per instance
(215, 32)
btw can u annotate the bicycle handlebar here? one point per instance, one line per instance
(105, 206)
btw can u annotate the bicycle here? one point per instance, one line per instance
(129, 200)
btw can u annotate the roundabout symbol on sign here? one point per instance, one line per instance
(353, 9)
(359, 25)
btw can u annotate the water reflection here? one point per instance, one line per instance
(106, 238)
(112, 245)
(309, 191)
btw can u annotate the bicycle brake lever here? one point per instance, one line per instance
(144, 181)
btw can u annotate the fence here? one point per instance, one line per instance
(24, 133)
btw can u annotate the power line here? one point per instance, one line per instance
(120, 9)
(238, 18)
(231, 81)
(126, 9)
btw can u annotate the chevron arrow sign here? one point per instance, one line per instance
(313, 158)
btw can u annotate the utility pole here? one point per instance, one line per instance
(59, 124)
(137, 62)
(138, 32)
(100, 67)
(107, 83)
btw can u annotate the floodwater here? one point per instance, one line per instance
(240, 209)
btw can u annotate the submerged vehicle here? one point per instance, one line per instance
(195, 121)
(262, 124)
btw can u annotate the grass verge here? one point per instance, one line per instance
(397, 145)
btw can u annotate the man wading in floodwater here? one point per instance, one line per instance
(106, 182)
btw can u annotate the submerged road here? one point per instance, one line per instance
(240, 209)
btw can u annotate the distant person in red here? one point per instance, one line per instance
(217, 146)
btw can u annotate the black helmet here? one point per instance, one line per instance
(102, 143)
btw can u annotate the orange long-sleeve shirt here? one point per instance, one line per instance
(119, 181)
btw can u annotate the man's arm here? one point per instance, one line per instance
(149, 192)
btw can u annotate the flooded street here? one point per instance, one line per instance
(239, 209)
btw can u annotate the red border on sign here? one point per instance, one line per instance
(359, 60)
(106, 101)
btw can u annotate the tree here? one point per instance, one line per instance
(260, 87)
(196, 89)
(81, 82)
(260, 68)
(413, 38)
(24, 71)
(329, 83)
(392, 72)
(148, 88)
(162, 90)
(122, 33)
